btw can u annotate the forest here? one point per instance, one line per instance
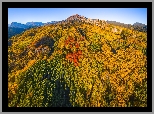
(12, 31)
(78, 64)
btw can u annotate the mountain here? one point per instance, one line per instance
(29, 24)
(34, 23)
(140, 27)
(76, 17)
(12, 31)
(24, 26)
(136, 26)
(139, 24)
(18, 25)
(16, 28)
(78, 62)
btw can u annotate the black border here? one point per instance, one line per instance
(6, 5)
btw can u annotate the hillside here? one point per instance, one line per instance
(77, 63)
(12, 31)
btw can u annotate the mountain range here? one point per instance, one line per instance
(29, 24)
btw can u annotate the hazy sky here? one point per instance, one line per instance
(123, 15)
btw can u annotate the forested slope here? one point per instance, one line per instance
(77, 64)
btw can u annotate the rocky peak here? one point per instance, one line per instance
(75, 17)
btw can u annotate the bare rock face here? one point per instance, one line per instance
(114, 30)
(76, 18)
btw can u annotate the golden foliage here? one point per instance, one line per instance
(108, 68)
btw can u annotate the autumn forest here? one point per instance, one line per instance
(78, 63)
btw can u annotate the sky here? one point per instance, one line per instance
(123, 15)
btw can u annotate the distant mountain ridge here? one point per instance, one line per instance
(29, 24)
(136, 26)
(16, 28)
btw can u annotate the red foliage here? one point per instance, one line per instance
(71, 46)
(69, 40)
(80, 52)
(82, 38)
(79, 56)
(76, 64)
(74, 56)
(75, 60)
(76, 45)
